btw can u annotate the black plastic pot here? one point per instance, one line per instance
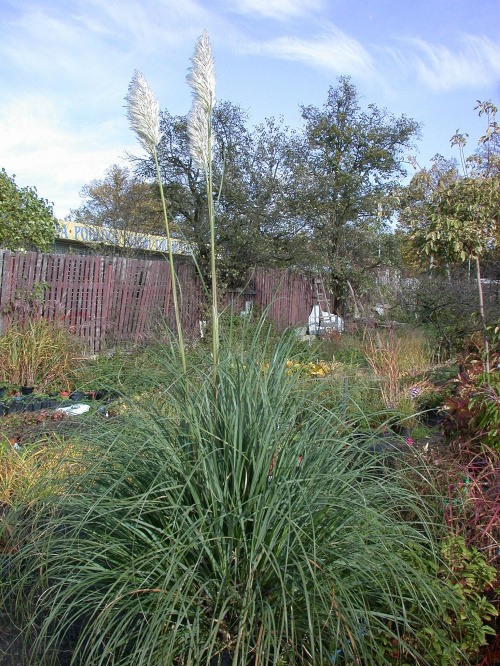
(3, 410)
(433, 418)
(76, 396)
(403, 431)
(101, 394)
(49, 403)
(2, 391)
(33, 403)
(26, 390)
(17, 405)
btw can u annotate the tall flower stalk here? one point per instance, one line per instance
(143, 112)
(201, 78)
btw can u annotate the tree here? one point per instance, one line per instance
(487, 155)
(120, 201)
(460, 216)
(26, 220)
(256, 222)
(259, 221)
(414, 204)
(351, 160)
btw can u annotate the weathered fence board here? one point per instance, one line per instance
(105, 300)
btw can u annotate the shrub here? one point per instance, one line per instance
(467, 571)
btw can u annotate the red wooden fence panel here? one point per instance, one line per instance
(105, 300)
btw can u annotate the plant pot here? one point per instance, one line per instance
(64, 394)
(432, 418)
(76, 396)
(28, 402)
(2, 391)
(27, 390)
(89, 395)
(49, 403)
(17, 405)
(36, 404)
(101, 394)
(401, 430)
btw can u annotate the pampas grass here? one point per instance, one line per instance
(201, 78)
(243, 520)
(201, 75)
(197, 127)
(143, 112)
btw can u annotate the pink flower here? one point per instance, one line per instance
(409, 441)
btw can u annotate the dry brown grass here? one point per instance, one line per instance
(36, 352)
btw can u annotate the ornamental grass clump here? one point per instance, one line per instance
(237, 522)
(38, 353)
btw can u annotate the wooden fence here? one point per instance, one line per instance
(107, 300)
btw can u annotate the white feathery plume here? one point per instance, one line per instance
(143, 112)
(197, 127)
(201, 74)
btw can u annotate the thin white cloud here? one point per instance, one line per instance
(333, 50)
(152, 24)
(42, 152)
(475, 63)
(65, 71)
(73, 43)
(278, 9)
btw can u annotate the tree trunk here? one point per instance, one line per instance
(482, 315)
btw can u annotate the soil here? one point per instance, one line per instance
(11, 648)
(14, 653)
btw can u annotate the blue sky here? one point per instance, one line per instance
(65, 66)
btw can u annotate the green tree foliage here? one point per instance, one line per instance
(350, 161)
(313, 197)
(26, 220)
(256, 222)
(487, 155)
(459, 215)
(258, 216)
(415, 206)
(122, 202)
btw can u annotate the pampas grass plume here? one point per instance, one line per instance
(143, 112)
(201, 74)
(197, 127)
